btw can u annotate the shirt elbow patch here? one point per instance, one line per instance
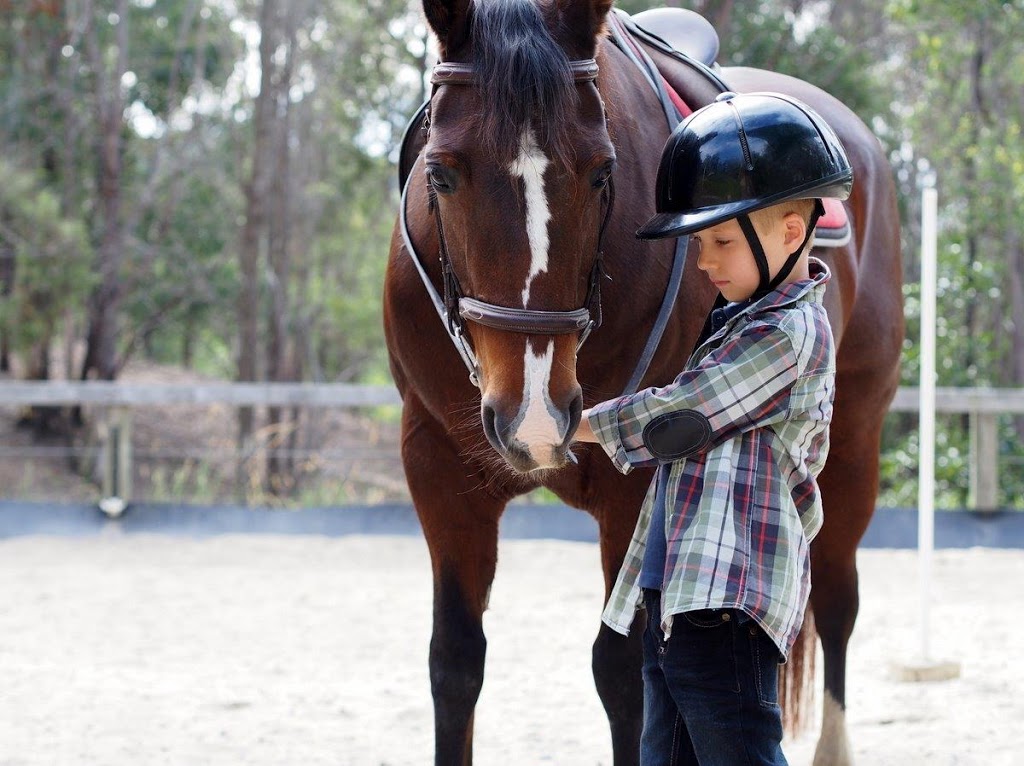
(677, 434)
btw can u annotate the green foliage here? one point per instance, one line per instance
(49, 257)
(938, 80)
(777, 35)
(177, 42)
(190, 274)
(962, 117)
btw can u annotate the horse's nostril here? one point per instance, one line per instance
(489, 419)
(575, 412)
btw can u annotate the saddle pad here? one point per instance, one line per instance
(833, 229)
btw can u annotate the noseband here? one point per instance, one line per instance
(455, 307)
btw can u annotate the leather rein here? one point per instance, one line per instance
(454, 307)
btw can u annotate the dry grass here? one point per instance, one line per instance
(187, 453)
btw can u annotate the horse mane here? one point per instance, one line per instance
(521, 71)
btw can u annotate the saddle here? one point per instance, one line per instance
(674, 36)
(682, 30)
(682, 47)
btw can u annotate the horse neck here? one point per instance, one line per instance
(639, 270)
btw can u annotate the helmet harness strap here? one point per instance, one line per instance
(768, 283)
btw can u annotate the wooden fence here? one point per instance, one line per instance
(981, 405)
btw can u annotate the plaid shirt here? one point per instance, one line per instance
(741, 511)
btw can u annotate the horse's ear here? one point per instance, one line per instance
(585, 19)
(450, 21)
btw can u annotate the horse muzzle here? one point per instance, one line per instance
(529, 444)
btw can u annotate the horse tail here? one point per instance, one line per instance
(796, 678)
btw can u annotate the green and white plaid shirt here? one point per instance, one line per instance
(742, 508)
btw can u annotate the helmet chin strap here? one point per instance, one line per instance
(768, 283)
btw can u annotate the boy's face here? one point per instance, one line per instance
(729, 263)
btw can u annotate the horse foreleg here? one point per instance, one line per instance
(460, 524)
(457, 650)
(835, 611)
(617, 662)
(849, 486)
(618, 659)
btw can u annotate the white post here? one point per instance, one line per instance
(926, 428)
(923, 668)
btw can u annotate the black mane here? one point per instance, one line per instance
(521, 73)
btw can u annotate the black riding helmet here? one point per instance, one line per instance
(740, 154)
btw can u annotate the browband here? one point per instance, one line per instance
(453, 73)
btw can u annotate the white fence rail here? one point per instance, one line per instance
(42, 393)
(114, 394)
(982, 405)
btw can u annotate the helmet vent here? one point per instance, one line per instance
(743, 138)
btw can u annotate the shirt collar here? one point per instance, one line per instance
(812, 288)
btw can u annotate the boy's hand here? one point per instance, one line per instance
(585, 433)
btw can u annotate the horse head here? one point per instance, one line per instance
(518, 162)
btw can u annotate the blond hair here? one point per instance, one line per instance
(766, 219)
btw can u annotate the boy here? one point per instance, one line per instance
(720, 555)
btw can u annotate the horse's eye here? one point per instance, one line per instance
(600, 177)
(441, 178)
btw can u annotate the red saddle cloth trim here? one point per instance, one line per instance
(681, 106)
(835, 215)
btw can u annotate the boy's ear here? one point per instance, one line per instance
(795, 229)
(449, 20)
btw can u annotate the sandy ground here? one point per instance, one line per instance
(121, 650)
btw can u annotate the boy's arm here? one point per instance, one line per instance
(585, 433)
(742, 385)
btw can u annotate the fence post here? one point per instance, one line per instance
(984, 491)
(117, 462)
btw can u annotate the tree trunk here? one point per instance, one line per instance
(105, 302)
(6, 289)
(253, 233)
(278, 480)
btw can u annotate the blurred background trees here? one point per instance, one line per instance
(211, 183)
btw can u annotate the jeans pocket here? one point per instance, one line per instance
(765, 658)
(702, 651)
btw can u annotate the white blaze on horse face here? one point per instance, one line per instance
(539, 428)
(530, 166)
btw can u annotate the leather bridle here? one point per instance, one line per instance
(455, 307)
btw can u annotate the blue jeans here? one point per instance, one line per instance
(710, 691)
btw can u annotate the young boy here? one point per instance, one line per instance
(720, 555)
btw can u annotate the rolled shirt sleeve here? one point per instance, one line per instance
(741, 385)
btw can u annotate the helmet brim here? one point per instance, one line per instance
(665, 225)
(678, 224)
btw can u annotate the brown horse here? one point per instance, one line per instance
(509, 210)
